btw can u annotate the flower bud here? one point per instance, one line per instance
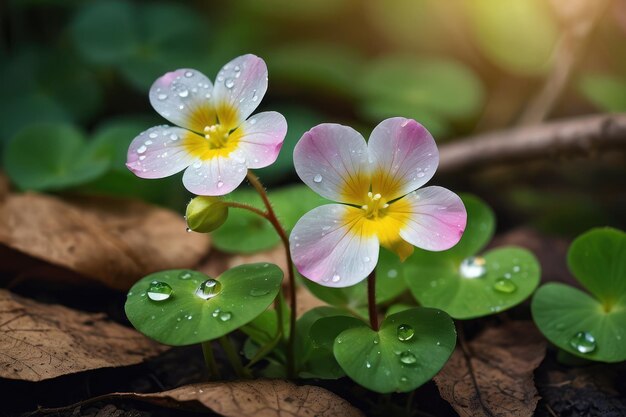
(205, 214)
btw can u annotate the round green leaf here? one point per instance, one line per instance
(517, 35)
(408, 350)
(563, 313)
(185, 318)
(51, 157)
(512, 274)
(598, 260)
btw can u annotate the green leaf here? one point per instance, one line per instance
(606, 92)
(185, 318)
(51, 157)
(443, 88)
(512, 274)
(598, 260)
(321, 362)
(390, 360)
(519, 36)
(562, 312)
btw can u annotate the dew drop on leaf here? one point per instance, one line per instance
(185, 275)
(583, 342)
(225, 315)
(405, 332)
(159, 291)
(504, 285)
(407, 358)
(209, 289)
(259, 292)
(473, 267)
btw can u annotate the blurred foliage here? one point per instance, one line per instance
(85, 67)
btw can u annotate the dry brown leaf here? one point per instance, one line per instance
(494, 375)
(259, 398)
(111, 240)
(41, 341)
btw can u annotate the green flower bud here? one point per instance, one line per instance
(205, 214)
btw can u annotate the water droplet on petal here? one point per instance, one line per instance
(159, 291)
(336, 278)
(188, 74)
(162, 97)
(229, 83)
(504, 285)
(405, 332)
(473, 267)
(317, 178)
(420, 175)
(142, 149)
(583, 342)
(366, 259)
(183, 93)
(209, 289)
(220, 184)
(407, 358)
(153, 135)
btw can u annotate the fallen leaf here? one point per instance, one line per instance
(493, 375)
(114, 241)
(42, 341)
(254, 398)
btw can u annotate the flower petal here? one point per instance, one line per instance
(331, 251)
(405, 157)
(184, 98)
(239, 88)
(435, 218)
(216, 176)
(159, 152)
(262, 138)
(332, 159)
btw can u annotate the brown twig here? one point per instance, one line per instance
(574, 136)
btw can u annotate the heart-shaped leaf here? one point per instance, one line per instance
(590, 327)
(407, 351)
(476, 287)
(182, 307)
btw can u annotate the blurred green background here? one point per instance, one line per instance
(74, 80)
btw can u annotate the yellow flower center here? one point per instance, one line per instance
(217, 127)
(375, 206)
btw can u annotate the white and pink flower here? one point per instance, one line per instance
(377, 183)
(215, 141)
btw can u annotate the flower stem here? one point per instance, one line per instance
(271, 216)
(248, 207)
(209, 360)
(233, 357)
(371, 300)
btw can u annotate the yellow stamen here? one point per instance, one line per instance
(217, 125)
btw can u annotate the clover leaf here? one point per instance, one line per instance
(465, 285)
(182, 307)
(408, 350)
(590, 326)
